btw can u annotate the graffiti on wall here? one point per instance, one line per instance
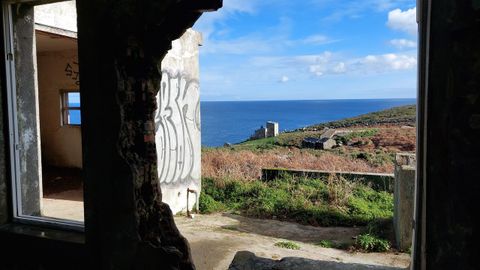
(71, 71)
(177, 126)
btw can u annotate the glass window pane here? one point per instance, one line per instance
(73, 99)
(74, 117)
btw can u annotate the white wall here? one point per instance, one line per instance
(60, 15)
(61, 145)
(177, 123)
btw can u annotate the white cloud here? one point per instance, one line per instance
(356, 9)
(386, 62)
(284, 79)
(370, 64)
(318, 70)
(340, 68)
(209, 21)
(244, 45)
(329, 63)
(402, 44)
(316, 40)
(404, 21)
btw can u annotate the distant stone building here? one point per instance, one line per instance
(266, 132)
(272, 129)
(316, 143)
(259, 133)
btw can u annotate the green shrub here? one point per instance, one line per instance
(208, 205)
(371, 243)
(367, 204)
(326, 244)
(317, 202)
(358, 134)
(287, 245)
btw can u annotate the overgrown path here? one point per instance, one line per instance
(216, 238)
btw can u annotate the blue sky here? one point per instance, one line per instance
(310, 49)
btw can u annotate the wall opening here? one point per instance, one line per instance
(305, 188)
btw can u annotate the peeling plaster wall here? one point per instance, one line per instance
(177, 123)
(61, 145)
(29, 166)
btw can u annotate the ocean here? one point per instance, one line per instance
(235, 121)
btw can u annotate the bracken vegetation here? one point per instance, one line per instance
(363, 149)
(247, 164)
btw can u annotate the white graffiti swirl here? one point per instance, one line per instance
(177, 124)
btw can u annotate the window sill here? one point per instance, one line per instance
(34, 247)
(29, 231)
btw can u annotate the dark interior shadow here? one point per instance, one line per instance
(62, 183)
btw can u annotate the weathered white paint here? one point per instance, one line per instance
(177, 122)
(61, 15)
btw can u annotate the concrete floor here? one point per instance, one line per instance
(63, 209)
(215, 239)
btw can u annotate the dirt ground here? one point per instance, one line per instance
(215, 239)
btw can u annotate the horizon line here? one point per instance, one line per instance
(333, 99)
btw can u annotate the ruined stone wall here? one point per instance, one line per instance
(177, 123)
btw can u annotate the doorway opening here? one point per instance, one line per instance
(44, 113)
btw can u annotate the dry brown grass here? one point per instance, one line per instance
(396, 139)
(247, 165)
(389, 138)
(339, 190)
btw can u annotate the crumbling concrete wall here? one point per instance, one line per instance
(404, 197)
(177, 123)
(121, 46)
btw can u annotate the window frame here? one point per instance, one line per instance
(13, 134)
(65, 108)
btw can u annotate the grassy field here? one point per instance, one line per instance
(319, 202)
(405, 115)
